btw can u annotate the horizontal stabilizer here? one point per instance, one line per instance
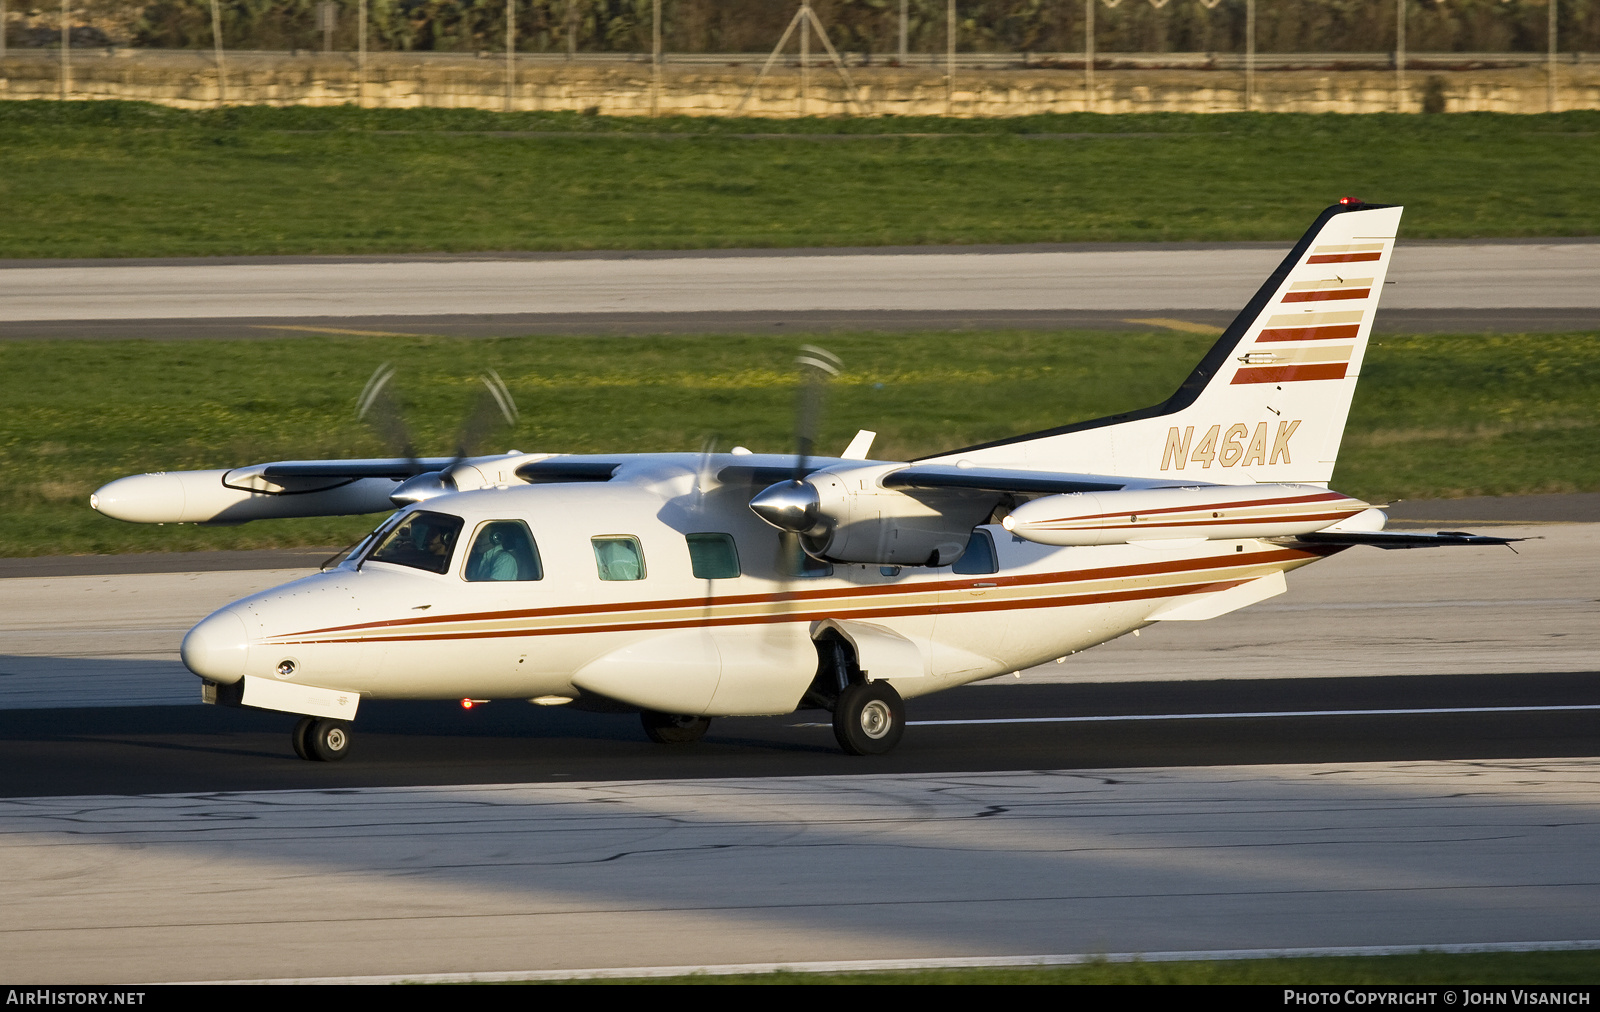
(1401, 539)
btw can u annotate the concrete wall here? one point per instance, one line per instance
(190, 80)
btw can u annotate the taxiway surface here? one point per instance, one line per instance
(1467, 286)
(352, 883)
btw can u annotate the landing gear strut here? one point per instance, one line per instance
(672, 728)
(869, 718)
(321, 739)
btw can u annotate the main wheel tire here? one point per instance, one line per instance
(869, 718)
(672, 728)
(300, 735)
(327, 740)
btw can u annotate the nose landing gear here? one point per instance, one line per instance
(321, 739)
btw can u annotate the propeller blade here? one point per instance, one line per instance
(493, 406)
(705, 471)
(817, 366)
(377, 407)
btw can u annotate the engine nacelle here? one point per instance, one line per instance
(846, 515)
(1212, 512)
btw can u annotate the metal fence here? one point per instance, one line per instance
(591, 31)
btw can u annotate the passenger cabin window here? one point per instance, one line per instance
(503, 550)
(713, 556)
(423, 540)
(619, 558)
(979, 558)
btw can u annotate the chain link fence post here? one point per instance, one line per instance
(216, 42)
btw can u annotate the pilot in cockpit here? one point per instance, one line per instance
(492, 560)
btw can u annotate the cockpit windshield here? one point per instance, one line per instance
(423, 540)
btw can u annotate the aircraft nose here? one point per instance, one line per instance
(218, 647)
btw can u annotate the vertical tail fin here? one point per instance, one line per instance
(1269, 400)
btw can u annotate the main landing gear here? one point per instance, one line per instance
(321, 739)
(868, 718)
(673, 728)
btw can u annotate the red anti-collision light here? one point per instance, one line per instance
(466, 704)
(1347, 201)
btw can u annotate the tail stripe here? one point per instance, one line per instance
(1285, 373)
(1333, 295)
(1309, 333)
(1343, 258)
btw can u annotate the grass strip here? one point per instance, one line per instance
(120, 179)
(1434, 416)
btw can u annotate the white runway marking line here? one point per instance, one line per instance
(1105, 718)
(934, 963)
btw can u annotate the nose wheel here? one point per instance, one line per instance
(321, 739)
(869, 718)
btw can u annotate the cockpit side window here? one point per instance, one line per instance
(423, 540)
(503, 550)
(979, 558)
(619, 558)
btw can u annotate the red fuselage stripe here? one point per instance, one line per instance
(817, 597)
(944, 608)
(1281, 501)
(1224, 522)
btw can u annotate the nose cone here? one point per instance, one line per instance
(218, 647)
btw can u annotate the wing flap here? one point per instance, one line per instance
(398, 468)
(556, 470)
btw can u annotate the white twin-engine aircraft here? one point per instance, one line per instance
(687, 586)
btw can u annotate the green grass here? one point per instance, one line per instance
(1434, 415)
(1500, 968)
(88, 179)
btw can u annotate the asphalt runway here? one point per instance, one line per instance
(401, 883)
(1436, 286)
(149, 750)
